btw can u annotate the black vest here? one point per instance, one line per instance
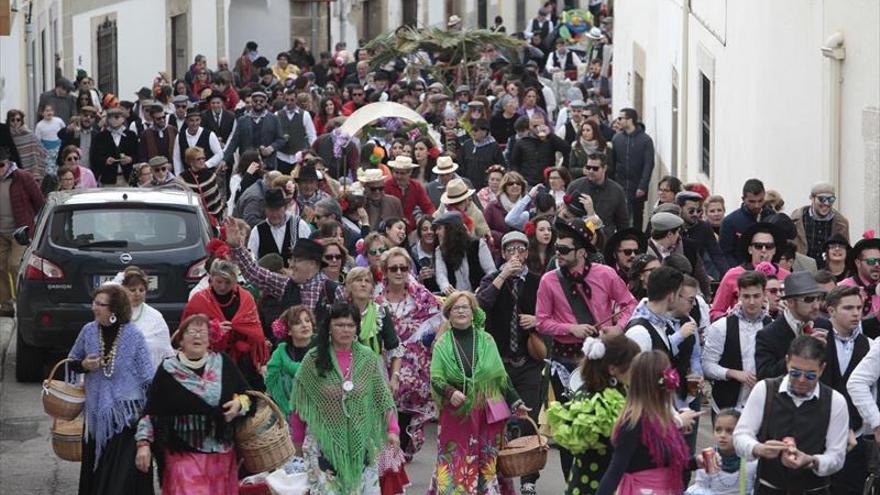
(680, 361)
(294, 132)
(204, 142)
(808, 425)
(568, 63)
(271, 308)
(475, 269)
(267, 241)
(541, 28)
(227, 120)
(498, 319)
(726, 392)
(835, 380)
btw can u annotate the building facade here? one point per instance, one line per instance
(788, 91)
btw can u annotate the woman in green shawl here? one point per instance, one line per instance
(294, 330)
(475, 397)
(343, 409)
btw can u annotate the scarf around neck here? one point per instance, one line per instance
(279, 377)
(488, 378)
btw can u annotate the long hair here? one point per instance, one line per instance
(620, 351)
(455, 245)
(597, 134)
(647, 398)
(339, 309)
(534, 262)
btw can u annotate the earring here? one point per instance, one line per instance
(612, 382)
(112, 318)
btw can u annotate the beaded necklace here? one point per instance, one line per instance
(108, 362)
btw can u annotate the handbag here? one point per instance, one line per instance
(496, 411)
(536, 347)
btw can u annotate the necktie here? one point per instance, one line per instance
(514, 321)
(217, 118)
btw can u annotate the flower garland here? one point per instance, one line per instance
(412, 131)
(586, 424)
(341, 139)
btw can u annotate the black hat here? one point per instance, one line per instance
(193, 111)
(621, 235)
(784, 226)
(573, 204)
(307, 172)
(307, 249)
(576, 229)
(215, 94)
(275, 198)
(838, 239)
(261, 62)
(144, 92)
(757, 228)
(63, 82)
(862, 245)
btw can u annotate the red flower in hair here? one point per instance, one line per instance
(567, 199)
(547, 172)
(434, 152)
(869, 234)
(219, 249)
(343, 203)
(529, 229)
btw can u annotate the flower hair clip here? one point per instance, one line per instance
(219, 249)
(567, 199)
(767, 269)
(593, 348)
(669, 380)
(529, 228)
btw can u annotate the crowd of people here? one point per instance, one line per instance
(494, 262)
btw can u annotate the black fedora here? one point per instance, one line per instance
(275, 198)
(759, 228)
(307, 172)
(629, 233)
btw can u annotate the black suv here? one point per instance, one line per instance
(82, 239)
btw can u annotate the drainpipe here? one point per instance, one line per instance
(834, 50)
(683, 90)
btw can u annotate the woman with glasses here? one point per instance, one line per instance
(375, 244)
(114, 357)
(475, 397)
(763, 248)
(192, 409)
(512, 188)
(66, 178)
(416, 316)
(344, 410)
(667, 188)
(31, 153)
(835, 255)
(71, 157)
(336, 260)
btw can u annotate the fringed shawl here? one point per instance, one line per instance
(114, 403)
(246, 337)
(31, 152)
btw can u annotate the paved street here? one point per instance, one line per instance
(29, 466)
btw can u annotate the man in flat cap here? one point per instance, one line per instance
(159, 139)
(196, 135)
(258, 129)
(114, 150)
(818, 221)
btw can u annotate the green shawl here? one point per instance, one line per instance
(349, 428)
(488, 378)
(280, 371)
(369, 331)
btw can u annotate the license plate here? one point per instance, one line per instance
(152, 280)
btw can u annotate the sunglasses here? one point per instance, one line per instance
(592, 168)
(332, 257)
(811, 299)
(829, 199)
(628, 252)
(871, 261)
(564, 250)
(763, 246)
(809, 375)
(695, 211)
(398, 269)
(515, 249)
(376, 188)
(376, 251)
(161, 169)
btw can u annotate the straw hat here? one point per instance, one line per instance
(402, 162)
(370, 175)
(445, 165)
(456, 192)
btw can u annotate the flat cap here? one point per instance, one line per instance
(683, 196)
(448, 218)
(664, 221)
(514, 236)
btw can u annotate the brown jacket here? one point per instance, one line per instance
(839, 225)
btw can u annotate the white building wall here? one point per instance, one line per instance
(204, 30)
(436, 12)
(771, 92)
(267, 22)
(136, 21)
(13, 76)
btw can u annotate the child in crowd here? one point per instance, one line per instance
(736, 475)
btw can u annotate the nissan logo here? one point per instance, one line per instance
(125, 258)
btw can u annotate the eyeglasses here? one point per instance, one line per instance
(460, 308)
(628, 252)
(871, 261)
(161, 169)
(763, 246)
(827, 199)
(100, 304)
(811, 299)
(376, 251)
(196, 332)
(71, 158)
(181, 105)
(515, 249)
(809, 375)
(332, 257)
(397, 269)
(592, 168)
(695, 211)
(15, 119)
(564, 250)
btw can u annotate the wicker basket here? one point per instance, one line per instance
(263, 440)
(522, 456)
(62, 400)
(67, 438)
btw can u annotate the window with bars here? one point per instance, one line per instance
(706, 121)
(107, 43)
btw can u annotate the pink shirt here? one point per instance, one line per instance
(299, 426)
(873, 298)
(609, 294)
(726, 295)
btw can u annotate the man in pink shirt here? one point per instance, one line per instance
(575, 301)
(411, 193)
(866, 260)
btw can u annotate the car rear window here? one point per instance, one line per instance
(124, 228)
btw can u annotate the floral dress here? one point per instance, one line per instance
(416, 319)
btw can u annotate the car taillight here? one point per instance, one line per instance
(42, 269)
(196, 271)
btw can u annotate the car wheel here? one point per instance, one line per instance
(28, 362)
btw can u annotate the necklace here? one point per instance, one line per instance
(398, 308)
(460, 355)
(192, 363)
(227, 303)
(108, 362)
(139, 314)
